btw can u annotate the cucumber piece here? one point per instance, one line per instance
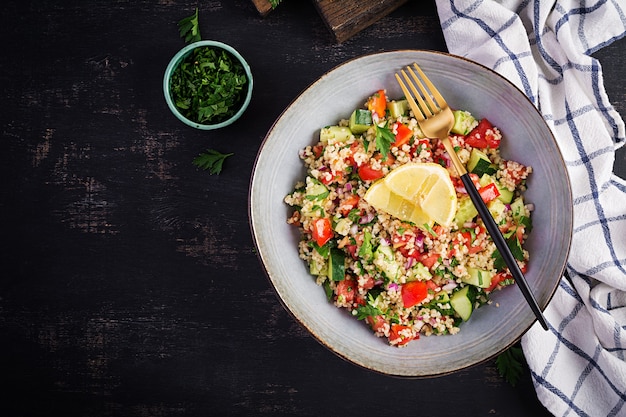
(478, 277)
(464, 122)
(486, 179)
(518, 211)
(442, 297)
(462, 303)
(360, 121)
(342, 226)
(480, 164)
(398, 108)
(316, 267)
(496, 208)
(506, 195)
(420, 272)
(465, 212)
(336, 265)
(334, 134)
(517, 208)
(385, 261)
(315, 190)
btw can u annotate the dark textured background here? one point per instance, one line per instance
(129, 284)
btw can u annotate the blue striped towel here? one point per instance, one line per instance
(578, 367)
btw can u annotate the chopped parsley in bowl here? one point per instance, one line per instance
(208, 85)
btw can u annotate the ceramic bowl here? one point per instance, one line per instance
(465, 85)
(179, 57)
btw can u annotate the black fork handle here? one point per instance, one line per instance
(503, 248)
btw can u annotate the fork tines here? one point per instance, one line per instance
(424, 96)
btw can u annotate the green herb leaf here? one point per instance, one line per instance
(366, 250)
(274, 3)
(363, 312)
(211, 160)
(516, 250)
(510, 364)
(208, 85)
(189, 29)
(384, 139)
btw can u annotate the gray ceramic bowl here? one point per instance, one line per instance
(465, 85)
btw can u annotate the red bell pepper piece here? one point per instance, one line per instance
(403, 134)
(489, 192)
(378, 103)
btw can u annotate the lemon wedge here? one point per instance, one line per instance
(421, 193)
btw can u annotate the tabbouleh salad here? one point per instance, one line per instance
(405, 280)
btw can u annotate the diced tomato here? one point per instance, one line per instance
(377, 323)
(348, 203)
(367, 173)
(347, 290)
(413, 293)
(367, 283)
(476, 141)
(328, 178)
(378, 103)
(403, 134)
(460, 187)
(387, 161)
(465, 239)
(419, 146)
(318, 150)
(321, 230)
(429, 259)
(352, 251)
(403, 236)
(497, 279)
(489, 192)
(472, 249)
(484, 135)
(396, 336)
(360, 300)
(354, 148)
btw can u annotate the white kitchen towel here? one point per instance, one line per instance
(578, 366)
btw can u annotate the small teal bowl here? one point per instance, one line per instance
(179, 57)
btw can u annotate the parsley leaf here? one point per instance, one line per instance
(189, 29)
(516, 250)
(509, 364)
(274, 3)
(211, 160)
(365, 251)
(384, 139)
(366, 311)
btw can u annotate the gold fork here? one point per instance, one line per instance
(436, 119)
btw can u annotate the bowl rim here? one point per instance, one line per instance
(181, 55)
(254, 230)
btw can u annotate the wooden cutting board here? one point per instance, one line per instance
(345, 18)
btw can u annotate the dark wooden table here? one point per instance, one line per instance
(130, 285)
